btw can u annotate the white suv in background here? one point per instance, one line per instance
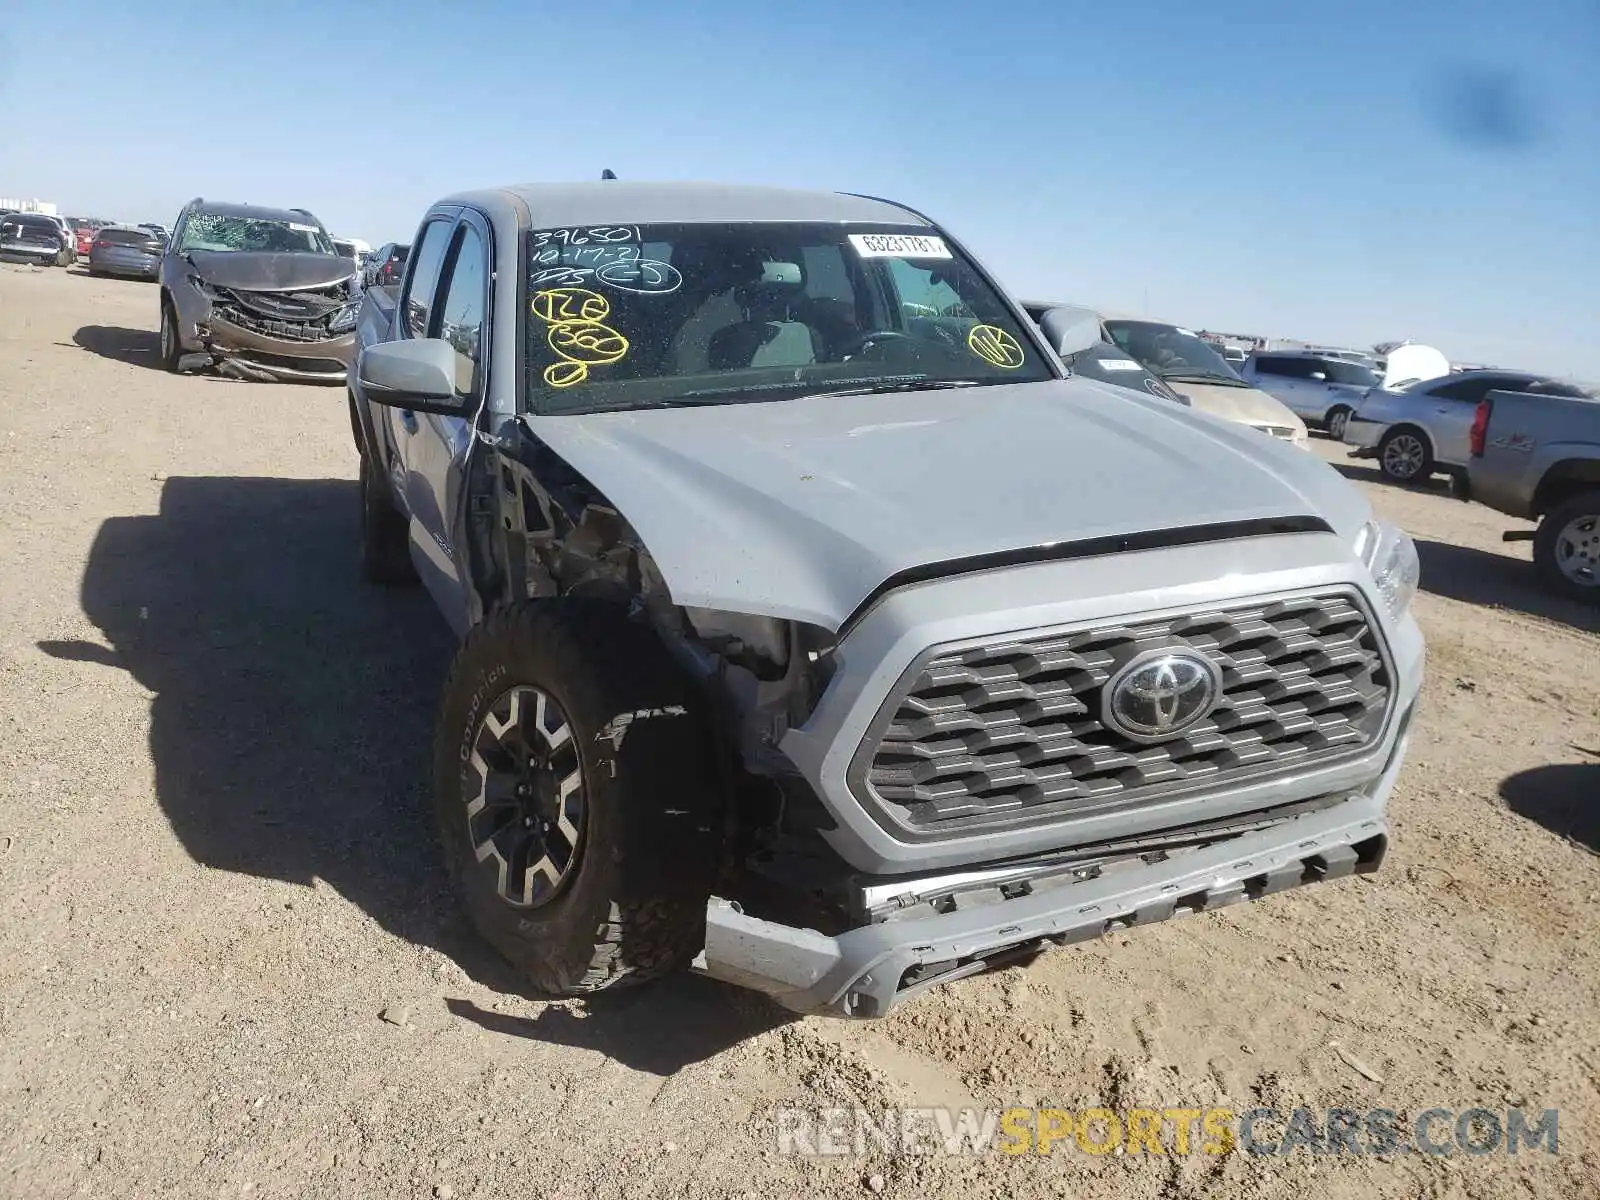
(1322, 388)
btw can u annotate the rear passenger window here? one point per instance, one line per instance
(429, 258)
(1288, 368)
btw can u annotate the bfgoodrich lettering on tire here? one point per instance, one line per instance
(575, 791)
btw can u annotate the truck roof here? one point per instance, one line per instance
(615, 202)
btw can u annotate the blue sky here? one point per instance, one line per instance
(1352, 173)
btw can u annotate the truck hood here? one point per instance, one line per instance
(263, 272)
(1246, 405)
(800, 509)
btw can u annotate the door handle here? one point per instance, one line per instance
(409, 420)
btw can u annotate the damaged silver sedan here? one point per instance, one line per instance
(256, 293)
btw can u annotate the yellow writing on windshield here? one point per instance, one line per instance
(577, 333)
(995, 346)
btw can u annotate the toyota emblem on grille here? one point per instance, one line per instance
(1160, 694)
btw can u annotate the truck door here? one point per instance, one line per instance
(437, 445)
(418, 441)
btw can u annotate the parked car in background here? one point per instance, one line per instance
(355, 250)
(1232, 355)
(1537, 456)
(1322, 388)
(34, 238)
(1185, 362)
(1425, 428)
(83, 238)
(1105, 361)
(161, 231)
(126, 250)
(385, 265)
(69, 237)
(258, 293)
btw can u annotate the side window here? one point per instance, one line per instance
(1286, 368)
(459, 315)
(1469, 391)
(429, 258)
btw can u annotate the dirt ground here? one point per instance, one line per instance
(230, 966)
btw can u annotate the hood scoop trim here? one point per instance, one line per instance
(1124, 543)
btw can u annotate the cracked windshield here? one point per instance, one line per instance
(219, 231)
(717, 314)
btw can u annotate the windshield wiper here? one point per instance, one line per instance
(710, 396)
(903, 385)
(1203, 377)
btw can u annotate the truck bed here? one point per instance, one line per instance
(1531, 440)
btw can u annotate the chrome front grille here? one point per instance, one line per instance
(1010, 729)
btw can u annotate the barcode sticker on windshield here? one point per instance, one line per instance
(302, 228)
(1119, 364)
(898, 245)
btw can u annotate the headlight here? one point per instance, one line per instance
(1391, 556)
(344, 319)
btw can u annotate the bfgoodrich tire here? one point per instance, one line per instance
(575, 788)
(1566, 548)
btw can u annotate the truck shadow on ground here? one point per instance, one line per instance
(1563, 797)
(1483, 577)
(139, 347)
(291, 725)
(657, 1028)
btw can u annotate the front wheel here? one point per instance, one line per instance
(1338, 419)
(171, 349)
(1404, 456)
(1566, 548)
(574, 786)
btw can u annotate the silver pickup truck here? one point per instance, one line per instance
(820, 630)
(1538, 457)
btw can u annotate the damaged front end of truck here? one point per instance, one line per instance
(1052, 832)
